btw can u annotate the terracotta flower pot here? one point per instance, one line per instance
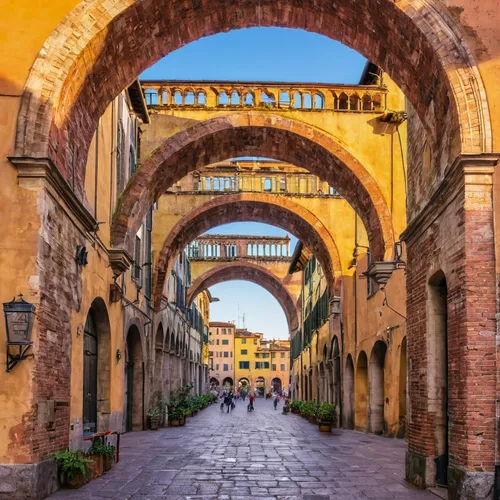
(312, 419)
(96, 467)
(174, 422)
(155, 423)
(325, 426)
(107, 462)
(77, 481)
(182, 421)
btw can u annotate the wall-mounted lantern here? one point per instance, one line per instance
(19, 318)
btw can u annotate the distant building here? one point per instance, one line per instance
(221, 353)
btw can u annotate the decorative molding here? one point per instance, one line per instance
(119, 260)
(36, 173)
(381, 271)
(464, 165)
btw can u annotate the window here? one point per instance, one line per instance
(255, 341)
(120, 144)
(231, 353)
(268, 184)
(258, 365)
(244, 365)
(282, 354)
(244, 352)
(266, 364)
(225, 342)
(217, 342)
(137, 259)
(226, 354)
(282, 367)
(243, 341)
(282, 184)
(216, 367)
(223, 331)
(274, 367)
(226, 368)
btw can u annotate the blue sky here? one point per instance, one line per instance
(258, 54)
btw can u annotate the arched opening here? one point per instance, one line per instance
(249, 99)
(235, 98)
(134, 374)
(96, 369)
(244, 384)
(223, 99)
(151, 96)
(228, 383)
(276, 385)
(319, 101)
(348, 406)
(214, 383)
(437, 328)
(305, 387)
(402, 390)
(361, 393)
(336, 377)
(307, 102)
(377, 392)
(201, 98)
(260, 387)
(167, 362)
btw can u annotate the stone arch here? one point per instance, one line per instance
(251, 207)
(61, 104)
(348, 406)
(255, 133)
(361, 392)
(276, 384)
(135, 371)
(336, 381)
(377, 388)
(97, 320)
(254, 273)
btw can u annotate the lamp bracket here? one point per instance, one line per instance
(14, 359)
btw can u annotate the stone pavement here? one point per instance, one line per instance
(258, 455)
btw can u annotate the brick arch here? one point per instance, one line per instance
(250, 207)
(248, 271)
(252, 133)
(74, 77)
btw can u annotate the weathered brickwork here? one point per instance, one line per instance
(69, 86)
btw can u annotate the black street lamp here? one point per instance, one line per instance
(19, 318)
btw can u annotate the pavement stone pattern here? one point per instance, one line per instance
(259, 455)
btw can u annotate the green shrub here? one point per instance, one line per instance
(72, 462)
(327, 412)
(308, 408)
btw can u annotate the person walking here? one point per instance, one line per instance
(228, 400)
(276, 401)
(250, 405)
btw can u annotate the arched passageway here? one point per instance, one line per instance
(228, 382)
(260, 387)
(96, 369)
(214, 383)
(336, 382)
(377, 388)
(134, 375)
(247, 207)
(60, 126)
(159, 362)
(348, 403)
(254, 273)
(361, 393)
(244, 384)
(402, 390)
(276, 384)
(255, 134)
(437, 309)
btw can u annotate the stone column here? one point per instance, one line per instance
(453, 236)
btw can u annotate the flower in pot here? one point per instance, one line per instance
(327, 415)
(155, 415)
(73, 468)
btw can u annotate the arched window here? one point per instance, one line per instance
(297, 100)
(284, 98)
(366, 103)
(335, 101)
(151, 96)
(235, 98)
(177, 98)
(164, 97)
(354, 102)
(307, 101)
(189, 97)
(343, 101)
(201, 99)
(268, 100)
(319, 101)
(223, 99)
(249, 99)
(377, 102)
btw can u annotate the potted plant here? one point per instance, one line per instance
(73, 468)
(155, 415)
(295, 406)
(327, 415)
(308, 411)
(173, 416)
(102, 455)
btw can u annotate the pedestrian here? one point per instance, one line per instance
(243, 395)
(228, 400)
(276, 401)
(250, 405)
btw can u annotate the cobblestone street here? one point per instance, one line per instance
(259, 455)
